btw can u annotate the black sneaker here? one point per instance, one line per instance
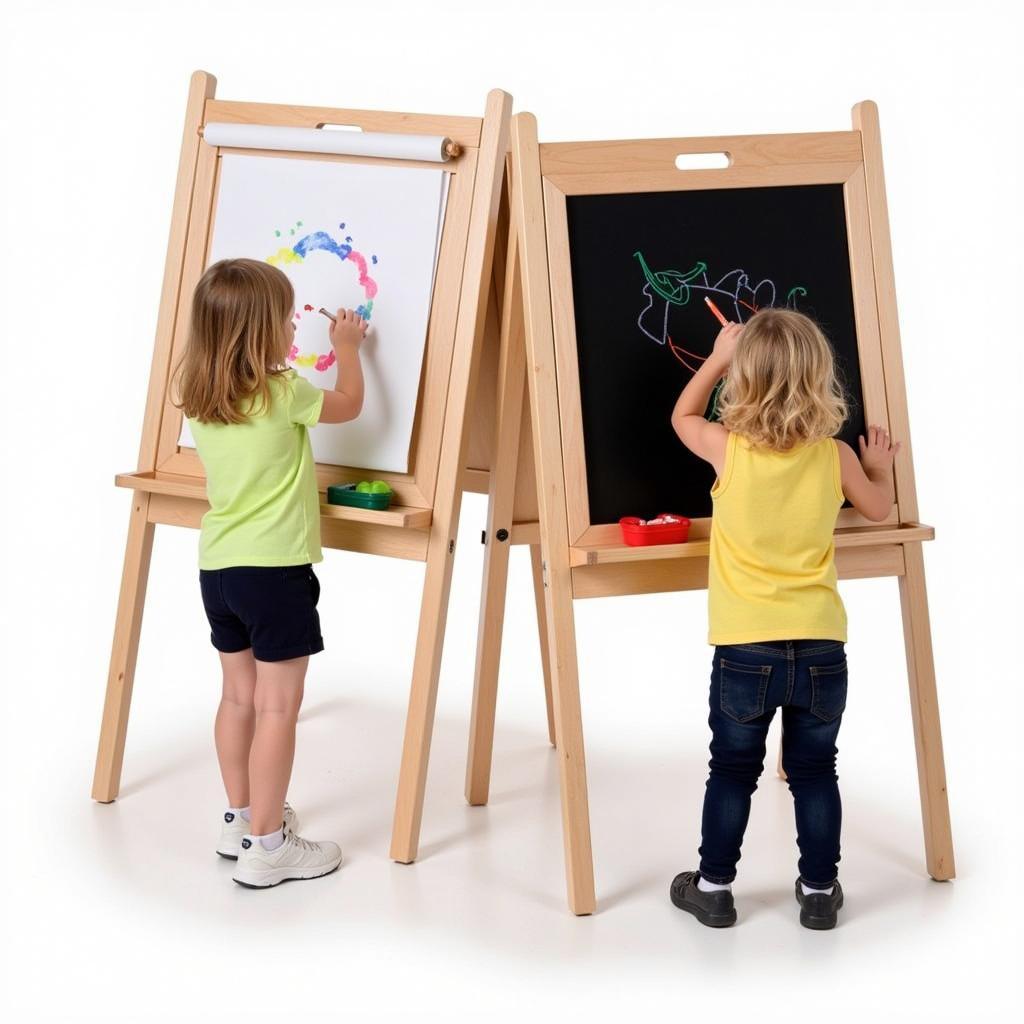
(715, 909)
(819, 910)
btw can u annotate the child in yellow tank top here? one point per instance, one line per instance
(775, 615)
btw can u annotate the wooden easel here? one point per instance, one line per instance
(169, 485)
(579, 559)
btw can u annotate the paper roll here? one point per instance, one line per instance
(326, 140)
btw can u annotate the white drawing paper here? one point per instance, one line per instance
(355, 235)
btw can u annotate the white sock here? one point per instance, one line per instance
(239, 811)
(811, 892)
(271, 841)
(705, 886)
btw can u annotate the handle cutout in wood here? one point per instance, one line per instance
(340, 127)
(702, 161)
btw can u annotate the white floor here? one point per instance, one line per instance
(121, 907)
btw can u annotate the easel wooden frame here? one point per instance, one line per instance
(579, 559)
(169, 486)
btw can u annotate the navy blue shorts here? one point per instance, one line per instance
(270, 609)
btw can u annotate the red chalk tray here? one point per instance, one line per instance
(665, 528)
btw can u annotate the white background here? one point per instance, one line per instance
(122, 912)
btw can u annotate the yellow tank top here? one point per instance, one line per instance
(772, 573)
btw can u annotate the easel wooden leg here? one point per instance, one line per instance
(419, 721)
(528, 220)
(568, 716)
(501, 500)
(488, 655)
(924, 706)
(134, 576)
(542, 631)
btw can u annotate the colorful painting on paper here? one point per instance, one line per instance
(351, 235)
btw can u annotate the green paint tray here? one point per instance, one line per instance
(346, 494)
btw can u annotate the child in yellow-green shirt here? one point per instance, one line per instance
(249, 415)
(775, 615)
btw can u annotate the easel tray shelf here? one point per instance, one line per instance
(616, 551)
(180, 486)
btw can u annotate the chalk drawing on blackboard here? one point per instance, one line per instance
(665, 289)
(323, 241)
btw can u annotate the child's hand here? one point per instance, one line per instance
(725, 344)
(349, 329)
(877, 452)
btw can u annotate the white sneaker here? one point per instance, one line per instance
(258, 868)
(235, 827)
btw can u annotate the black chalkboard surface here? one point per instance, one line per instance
(641, 266)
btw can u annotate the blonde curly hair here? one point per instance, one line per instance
(782, 389)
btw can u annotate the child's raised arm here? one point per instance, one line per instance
(345, 402)
(706, 440)
(867, 481)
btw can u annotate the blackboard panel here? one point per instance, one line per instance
(641, 266)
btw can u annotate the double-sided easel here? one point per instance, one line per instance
(580, 559)
(169, 484)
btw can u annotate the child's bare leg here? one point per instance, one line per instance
(233, 728)
(278, 697)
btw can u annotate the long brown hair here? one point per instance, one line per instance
(237, 341)
(782, 389)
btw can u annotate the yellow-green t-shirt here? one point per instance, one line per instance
(260, 482)
(771, 572)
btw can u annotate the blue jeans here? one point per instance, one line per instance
(807, 679)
